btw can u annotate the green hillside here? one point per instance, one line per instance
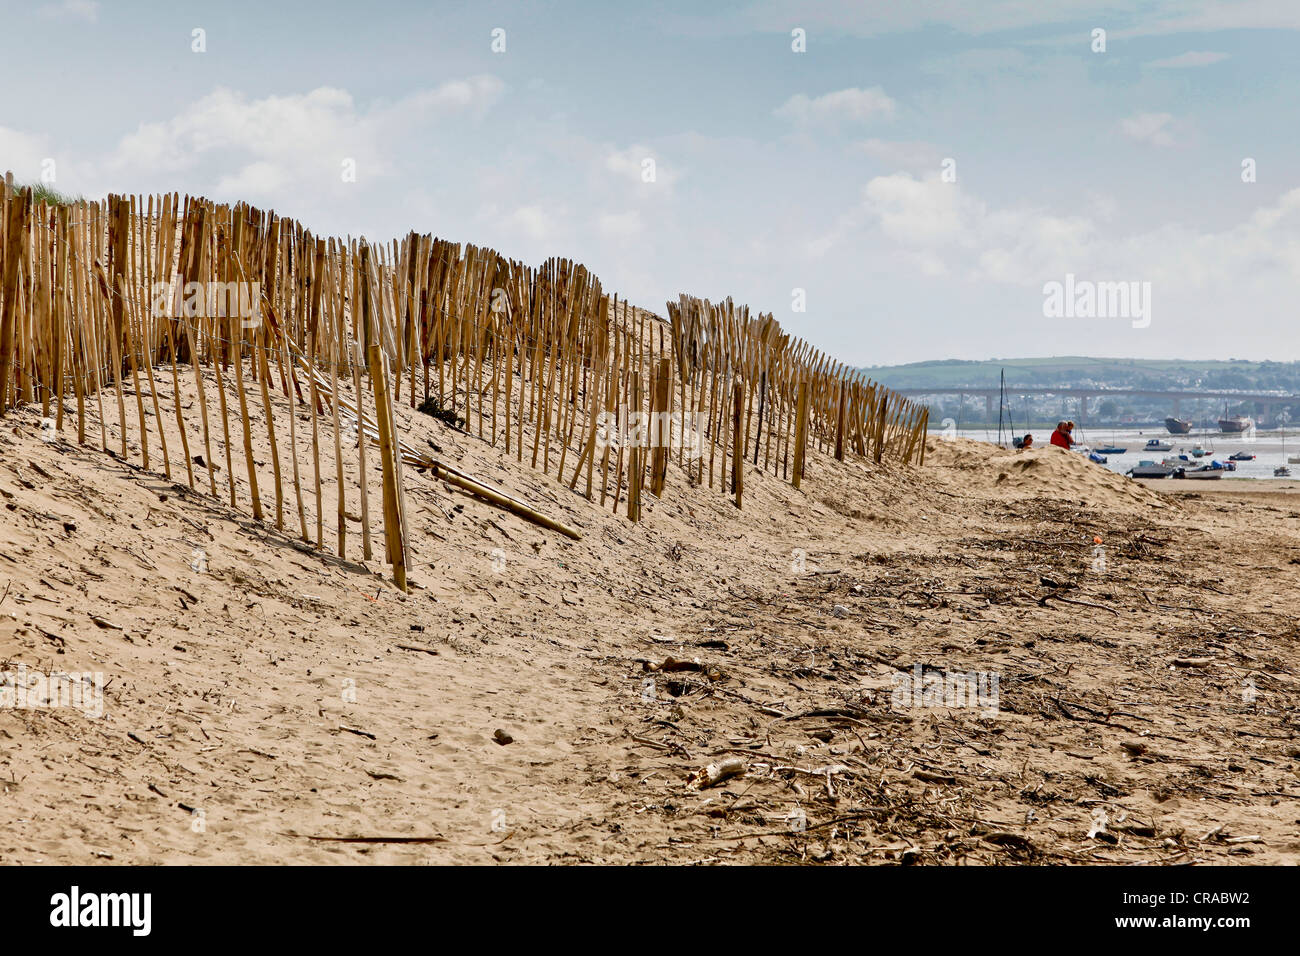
(1070, 370)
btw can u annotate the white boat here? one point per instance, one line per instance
(1152, 469)
(1205, 472)
(1156, 444)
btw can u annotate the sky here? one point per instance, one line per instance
(893, 181)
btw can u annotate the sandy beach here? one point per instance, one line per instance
(541, 700)
(1225, 485)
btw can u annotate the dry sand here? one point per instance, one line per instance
(280, 694)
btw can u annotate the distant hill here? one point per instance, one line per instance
(1071, 370)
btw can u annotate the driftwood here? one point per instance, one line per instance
(673, 665)
(715, 773)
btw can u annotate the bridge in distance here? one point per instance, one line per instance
(1269, 401)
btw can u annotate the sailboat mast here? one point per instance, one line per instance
(1002, 391)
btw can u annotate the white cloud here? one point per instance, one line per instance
(1211, 16)
(631, 163)
(937, 228)
(941, 228)
(87, 10)
(918, 211)
(259, 180)
(852, 105)
(533, 221)
(874, 19)
(855, 18)
(1192, 58)
(22, 153)
(276, 127)
(302, 135)
(904, 154)
(981, 62)
(622, 225)
(1153, 128)
(475, 94)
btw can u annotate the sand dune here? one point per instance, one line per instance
(266, 694)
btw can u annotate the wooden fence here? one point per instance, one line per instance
(308, 344)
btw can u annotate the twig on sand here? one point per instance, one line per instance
(1055, 597)
(1091, 720)
(359, 733)
(395, 839)
(370, 839)
(857, 815)
(412, 647)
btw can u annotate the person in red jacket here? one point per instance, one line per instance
(1061, 436)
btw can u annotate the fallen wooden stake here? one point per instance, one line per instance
(447, 473)
(492, 496)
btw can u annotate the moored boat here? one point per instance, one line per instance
(1156, 444)
(1241, 456)
(1111, 450)
(1236, 424)
(1203, 472)
(1152, 469)
(1178, 426)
